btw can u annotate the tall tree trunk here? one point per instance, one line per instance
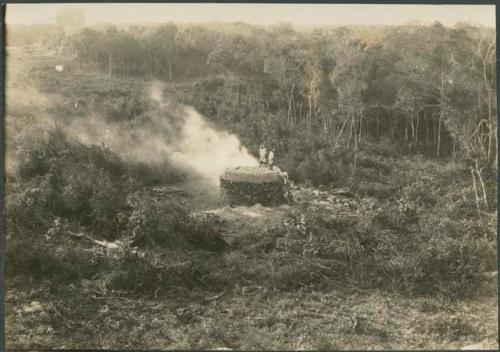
(472, 171)
(360, 125)
(441, 113)
(494, 160)
(490, 123)
(416, 128)
(340, 132)
(412, 126)
(290, 100)
(355, 159)
(433, 130)
(309, 115)
(438, 146)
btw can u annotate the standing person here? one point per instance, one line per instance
(262, 155)
(270, 158)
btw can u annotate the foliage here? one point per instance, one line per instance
(336, 82)
(372, 251)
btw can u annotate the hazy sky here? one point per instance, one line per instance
(298, 14)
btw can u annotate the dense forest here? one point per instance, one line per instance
(390, 132)
(431, 89)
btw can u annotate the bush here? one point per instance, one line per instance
(25, 210)
(155, 222)
(374, 189)
(91, 191)
(453, 265)
(204, 231)
(49, 252)
(385, 247)
(324, 167)
(131, 273)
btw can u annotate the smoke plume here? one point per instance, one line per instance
(167, 134)
(171, 133)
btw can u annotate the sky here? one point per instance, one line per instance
(261, 14)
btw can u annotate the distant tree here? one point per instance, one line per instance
(285, 64)
(164, 45)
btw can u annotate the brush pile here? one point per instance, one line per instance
(251, 185)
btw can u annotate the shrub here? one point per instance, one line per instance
(386, 247)
(25, 210)
(60, 181)
(131, 273)
(155, 221)
(453, 265)
(204, 231)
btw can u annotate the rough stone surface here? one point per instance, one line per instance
(251, 185)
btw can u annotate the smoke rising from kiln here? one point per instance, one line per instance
(168, 135)
(201, 147)
(208, 151)
(173, 133)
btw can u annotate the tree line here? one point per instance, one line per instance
(430, 88)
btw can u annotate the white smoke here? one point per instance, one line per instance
(168, 134)
(207, 151)
(195, 145)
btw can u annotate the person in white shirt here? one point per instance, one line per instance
(262, 155)
(270, 158)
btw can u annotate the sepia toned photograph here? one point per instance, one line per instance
(236, 176)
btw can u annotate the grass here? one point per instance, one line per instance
(246, 317)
